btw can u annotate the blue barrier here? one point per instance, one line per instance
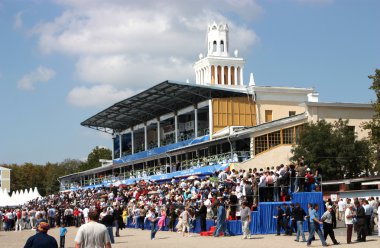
(262, 221)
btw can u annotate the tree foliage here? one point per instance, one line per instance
(373, 126)
(45, 177)
(96, 154)
(334, 147)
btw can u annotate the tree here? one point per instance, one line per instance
(96, 154)
(334, 147)
(373, 126)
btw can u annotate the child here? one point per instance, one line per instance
(62, 234)
(162, 220)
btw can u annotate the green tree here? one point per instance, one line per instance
(334, 147)
(373, 126)
(96, 154)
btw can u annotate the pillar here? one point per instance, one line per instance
(235, 76)
(133, 142)
(216, 74)
(145, 137)
(176, 127)
(229, 75)
(120, 136)
(210, 117)
(158, 133)
(195, 122)
(222, 74)
(241, 76)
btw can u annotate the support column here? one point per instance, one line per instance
(121, 149)
(241, 76)
(235, 76)
(229, 75)
(216, 74)
(195, 122)
(158, 133)
(133, 141)
(145, 137)
(176, 127)
(210, 120)
(222, 74)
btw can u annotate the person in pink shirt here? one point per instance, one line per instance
(162, 221)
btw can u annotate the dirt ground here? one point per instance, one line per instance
(138, 238)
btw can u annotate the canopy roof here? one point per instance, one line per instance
(158, 100)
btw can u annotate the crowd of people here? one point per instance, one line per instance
(227, 195)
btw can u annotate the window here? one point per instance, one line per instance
(274, 139)
(221, 46)
(268, 115)
(288, 135)
(292, 113)
(214, 46)
(261, 144)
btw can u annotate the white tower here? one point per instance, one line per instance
(218, 67)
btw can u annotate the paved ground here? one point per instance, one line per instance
(138, 238)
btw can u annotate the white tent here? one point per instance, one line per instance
(6, 200)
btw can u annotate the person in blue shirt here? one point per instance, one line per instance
(315, 223)
(221, 226)
(41, 239)
(62, 235)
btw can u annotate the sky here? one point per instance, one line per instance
(63, 61)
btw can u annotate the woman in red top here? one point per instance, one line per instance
(77, 216)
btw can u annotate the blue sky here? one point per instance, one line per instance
(63, 61)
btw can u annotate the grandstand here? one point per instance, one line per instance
(178, 129)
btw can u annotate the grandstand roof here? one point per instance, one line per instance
(158, 100)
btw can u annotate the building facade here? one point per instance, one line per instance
(5, 179)
(219, 119)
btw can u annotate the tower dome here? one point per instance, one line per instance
(218, 67)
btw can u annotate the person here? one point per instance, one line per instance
(299, 215)
(19, 222)
(378, 220)
(245, 215)
(202, 213)
(40, 219)
(92, 234)
(368, 213)
(108, 220)
(185, 216)
(287, 215)
(349, 216)
(221, 221)
(152, 217)
(314, 226)
(62, 235)
(41, 239)
(162, 221)
(118, 220)
(172, 218)
(280, 220)
(328, 225)
(341, 209)
(361, 223)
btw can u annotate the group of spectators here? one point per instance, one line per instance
(226, 195)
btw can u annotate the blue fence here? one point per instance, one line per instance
(262, 221)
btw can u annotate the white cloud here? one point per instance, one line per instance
(40, 75)
(98, 95)
(18, 23)
(135, 44)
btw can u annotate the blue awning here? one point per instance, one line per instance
(160, 150)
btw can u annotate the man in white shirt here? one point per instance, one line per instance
(85, 214)
(92, 234)
(341, 209)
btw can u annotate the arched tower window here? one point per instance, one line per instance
(214, 46)
(222, 46)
